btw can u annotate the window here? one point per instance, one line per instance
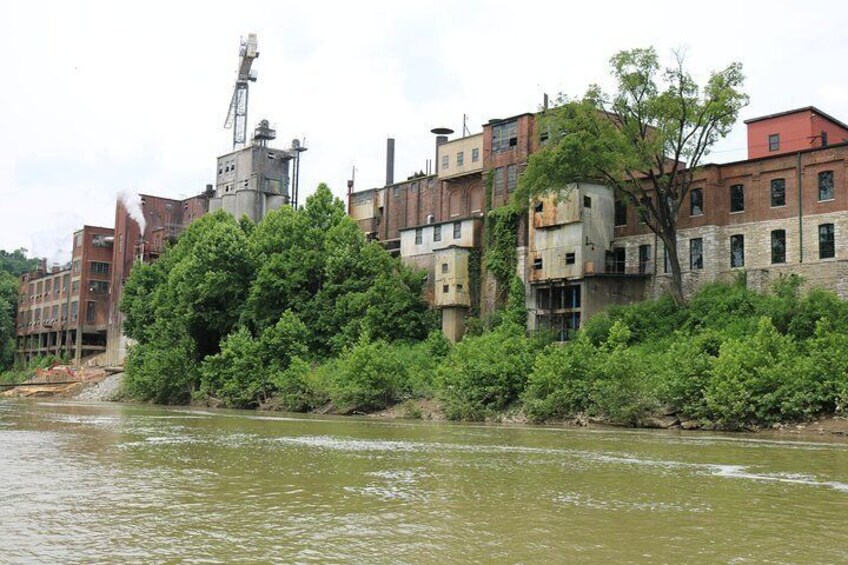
(537, 263)
(587, 201)
(75, 287)
(90, 311)
(737, 198)
(48, 286)
(498, 180)
(444, 268)
(459, 288)
(445, 161)
(419, 236)
(696, 202)
(824, 138)
(570, 258)
(539, 207)
(778, 246)
(475, 154)
(77, 267)
(511, 178)
(620, 213)
(457, 230)
(504, 136)
(437, 233)
(825, 185)
(78, 240)
(644, 259)
(99, 240)
(737, 250)
(696, 254)
(99, 268)
(64, 312)
(74, 311)
(54, 313)
(827, 244)
(778, 192)
(616, 260)
(38, 314)
(774, 142)
(460, 159)
(445, 288)
(98, 287)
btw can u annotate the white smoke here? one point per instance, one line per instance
(132, 203)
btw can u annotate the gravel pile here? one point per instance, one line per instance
(103, 391)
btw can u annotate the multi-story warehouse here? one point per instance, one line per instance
(64, 311)
(783, 210)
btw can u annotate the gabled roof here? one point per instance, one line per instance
(811, 109)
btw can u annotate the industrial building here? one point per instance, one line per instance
(783, 210)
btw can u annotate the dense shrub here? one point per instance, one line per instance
(484, 374)
(369, 376)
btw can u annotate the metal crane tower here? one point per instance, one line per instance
(237, 115)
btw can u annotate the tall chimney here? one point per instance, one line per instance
(390, 161)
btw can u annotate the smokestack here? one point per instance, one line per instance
(390, 161)
(441, 138)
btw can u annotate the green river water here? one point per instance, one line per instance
(108, 483)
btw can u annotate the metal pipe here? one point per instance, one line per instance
(800, 210)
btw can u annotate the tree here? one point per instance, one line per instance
(8, 306)
(645, 141)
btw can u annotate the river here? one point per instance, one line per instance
(110, 483)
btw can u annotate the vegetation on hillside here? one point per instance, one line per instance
(12, 265)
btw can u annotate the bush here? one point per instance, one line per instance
(484, 374)
(368, 377)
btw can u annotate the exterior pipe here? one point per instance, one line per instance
(800, 210)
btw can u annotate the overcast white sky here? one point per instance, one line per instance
(103, 97)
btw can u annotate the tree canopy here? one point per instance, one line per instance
(231, 305)
(645, 140)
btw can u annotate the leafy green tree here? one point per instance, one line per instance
(8, 309)
(645, 140)
(369, 377)
(17, 263)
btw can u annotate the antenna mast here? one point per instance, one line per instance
(237, 114)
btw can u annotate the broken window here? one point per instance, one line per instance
(827, 242)
(539, 207)
(98, 287)
(587, 201)
(74, 311)
(537, 263)
(778, 246)
(696, 254)
(99, 268)
(90, 311)
(543, 299)
(459, 288)
(570, 258)
(498, 180)
(445, 288)
(774, 142)
(504, 136)
(737, 250)
(696, 202)
(778, 192)
(616, 260)
(737, 198)
(825, 185)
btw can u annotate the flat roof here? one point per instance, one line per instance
(811, 109)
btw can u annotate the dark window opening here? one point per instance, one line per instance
(620, 213)
(587, 201)
(827, 242)
(778, 192)
(696, 254)
(459, 288)
(644, 259)
(616, 260)
(570, 258)
(737, 250)
(824, 138)
(737, 198)
(696, 202)
(504, 136)
(826, 185)
(537, 263)
(778, 246)
(539, 207)
(90, 311)
(445, 288)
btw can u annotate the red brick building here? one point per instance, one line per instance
(64, 311)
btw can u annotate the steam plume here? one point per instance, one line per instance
(132, 203)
